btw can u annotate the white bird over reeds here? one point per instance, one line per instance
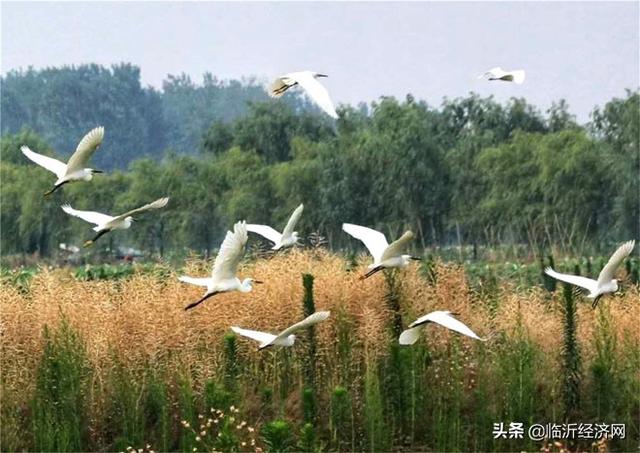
(284, 338)
(106, 223)
(444, 318)
(223, 276)
(74, 169)
(605, 283)
(497, 73)
(307, 80)
(288, 237)
(384, 255)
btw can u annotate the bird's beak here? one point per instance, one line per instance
(98, 171)
(258, 282)
(416, 258)
(322, 75)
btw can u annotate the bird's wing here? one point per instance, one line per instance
(51, 164)
(374, 240)
(608, 271)
(88, 216)
(159, 203)
(195, 281)
(316, 91)
(583, 282)
(306, 322)
(231, 252)
(293, 220)
(518, 76)
(410, 336)
(262, 337)
(265, 231)
(445, 319)
(397, 247)
(85, 149)
(278, 87)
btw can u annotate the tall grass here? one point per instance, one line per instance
(128, 364)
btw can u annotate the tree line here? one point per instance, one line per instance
(471, 171)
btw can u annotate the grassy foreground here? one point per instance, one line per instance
(113, 364)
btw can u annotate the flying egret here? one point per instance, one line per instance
(288, 236)
(223, 276)
(498, 73)
(284, 338)
(384, 255)
(443, 318)
(307, 80)
(74, 169)
(105, 223)
(605, 283)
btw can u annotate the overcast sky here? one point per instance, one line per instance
(584, 52)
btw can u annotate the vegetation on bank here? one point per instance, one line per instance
(468, 173)
(117, 363)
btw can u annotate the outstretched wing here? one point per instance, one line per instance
(85, 150)
(262, 337)
(88, 216)
(230, 254)
(293, 220)
(375, 241)
(445, 319)
(195, 281)
(159, 203)
(608, 271)
(397, 247)
(265, 231)
(316, 91)
(51, 164)
(306, 322)
(583, 282)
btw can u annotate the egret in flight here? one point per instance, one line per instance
(74, 170)
(443, 318)
(105, 223)
(384, 255)
(307, 80)
(288, 237)
(223, 277)
(498, 73)
(284, 338)
(605, 283)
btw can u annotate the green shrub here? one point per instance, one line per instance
(60, 421)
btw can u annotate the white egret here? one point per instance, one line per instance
(288, 237)
(74, 169)
(284, 338)
(443, 318)
(384, 255)
(605, 283)
(223, 276)
(105, 223)
(498, 73)
(307, 80)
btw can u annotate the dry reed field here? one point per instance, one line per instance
(146, 365)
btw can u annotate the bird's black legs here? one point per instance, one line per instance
(46, 194)
(195, 304)
(371, 272)
(91, 241)
(595, 302)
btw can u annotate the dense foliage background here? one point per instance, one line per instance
(468, 172)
